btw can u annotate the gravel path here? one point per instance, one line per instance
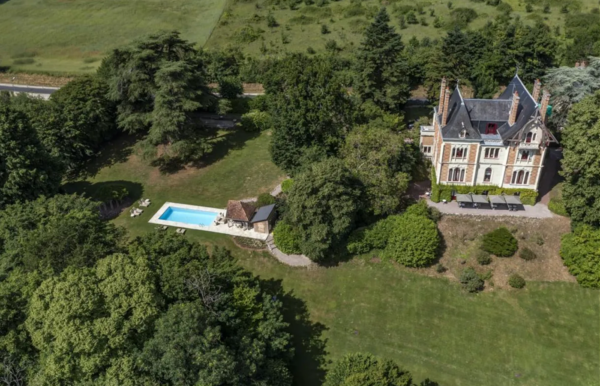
(291, 260)
(537, 211)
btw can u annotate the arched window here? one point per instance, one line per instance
(529, 137)
(520, 177)
(456, 175)
(487, 176)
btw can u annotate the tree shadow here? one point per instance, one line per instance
(308, 365)
(93, 190)
(550, 174)
(113, 152)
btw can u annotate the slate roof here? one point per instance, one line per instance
(263, 213)
(473, 115)
(239, 211)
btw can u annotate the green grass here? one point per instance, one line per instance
(239, 167)
(62, 35)
(546, 334)
(347, 30)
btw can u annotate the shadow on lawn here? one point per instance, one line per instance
(222, 144)
(308, 365)
(135, 190)
(115, 151)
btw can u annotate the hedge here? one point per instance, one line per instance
(441, 192)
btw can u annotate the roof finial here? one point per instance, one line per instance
(517, 70)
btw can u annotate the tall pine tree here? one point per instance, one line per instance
(382, 69)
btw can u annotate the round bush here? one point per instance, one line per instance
(483, 258)
(414, 241)
(287, 238)
(516, 281)
(471, 281)
(500, 242)
(440, 268)
(264, 199)
(357, 242)
(287, 185)
(527, 254)
(256, 120)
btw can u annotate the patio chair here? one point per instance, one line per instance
(161, 228)
(138, 211)
(181, 231)
(145, 203)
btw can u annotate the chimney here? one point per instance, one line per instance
(576, 64)
(512, 118)
(583, 65)
(446, 103)
(544, 105)
(442, 96)
(537, 87)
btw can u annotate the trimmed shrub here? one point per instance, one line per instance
(471, 281)
(440, 268)
(264, 199)
(414, 241)
(527, 254)
(422, 209)
(287, 185)
(556, 204)
(287, 238)
(256, 120)
(357, 242)
(500, 242)
(580, 251)
(516, 281)
(483, 258)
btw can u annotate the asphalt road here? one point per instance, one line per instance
(27, 89)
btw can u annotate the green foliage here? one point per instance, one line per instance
(230, 87)
(516, 281)
(286, 185)
(264, 199)
(568, 86)
(414, 242)
(441, 192)
(87, 121)
(581, 161)
(471, 281)
(527, 254)
(287, 238)
(27, 171)
(583, 29)
(323, 204)
(483, 257)
(158, 98)
(324, 29)
(256, 120)
(382, 161)
(422, 209)
(309, 106)
(366, 370)
(580, 251)
(381, 66)
(462, 16)
(556, 203)
(358, 243)
(500, 242)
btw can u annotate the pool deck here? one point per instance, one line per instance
(221, 228)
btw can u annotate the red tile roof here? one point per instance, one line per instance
(239, 211)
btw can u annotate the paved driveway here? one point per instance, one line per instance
(537, 211)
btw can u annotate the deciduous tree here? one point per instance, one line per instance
(366, 370)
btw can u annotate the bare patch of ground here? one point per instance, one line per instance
(34, 79)
(462, 237)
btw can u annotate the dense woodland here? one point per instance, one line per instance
(83, 304)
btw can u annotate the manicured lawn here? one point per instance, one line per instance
(546, 334)
(72, 36)
(239, 167)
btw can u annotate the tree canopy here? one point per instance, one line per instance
(580, 251)
(366, 370)
(310, 107)
(381, 67)
(581, 161)
(323, 204)
(27, 170)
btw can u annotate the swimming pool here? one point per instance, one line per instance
(188, 216)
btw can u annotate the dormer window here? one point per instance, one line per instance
(491, 128)
(530, 137)
(463, 133)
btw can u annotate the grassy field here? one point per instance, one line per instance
(72, 36)
(546, 334)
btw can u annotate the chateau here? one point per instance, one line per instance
(500, 142)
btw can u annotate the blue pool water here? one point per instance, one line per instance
(189, 216)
